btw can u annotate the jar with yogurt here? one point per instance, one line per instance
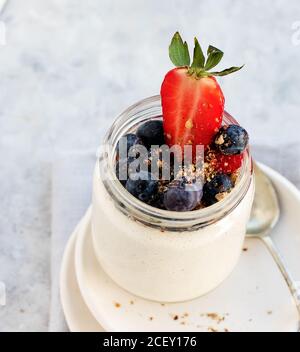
(163, 255)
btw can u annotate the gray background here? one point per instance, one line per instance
(70, 66)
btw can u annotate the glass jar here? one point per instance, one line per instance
(158, 254)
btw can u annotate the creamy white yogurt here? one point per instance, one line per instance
(165, 266)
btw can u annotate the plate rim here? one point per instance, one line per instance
(79, 243)
(63, 287)
(64, 273)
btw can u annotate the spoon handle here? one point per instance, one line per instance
(295, 291)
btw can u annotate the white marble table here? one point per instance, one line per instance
(69, 66)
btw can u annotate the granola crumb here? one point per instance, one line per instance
(235, 177)
(220, 140)
(117, 305)
(245, 249)
(216, 317)
(151, 318)
(131, 302)
(221, 196)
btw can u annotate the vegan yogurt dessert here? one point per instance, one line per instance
(173, 187)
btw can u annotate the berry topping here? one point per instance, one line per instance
(182, 196)
(175, 178)
(126, 143)
(158, 200)
(192, 100)
(124, 168)
(231, 140)
(216, 189)
(192, 108)
(151, 133)
(227, 164)
(142, 186)
(161, 163)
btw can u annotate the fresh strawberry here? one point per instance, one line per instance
(192, 100)
(227, 164)
(192, 108)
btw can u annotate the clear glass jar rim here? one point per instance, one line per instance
(152, 216)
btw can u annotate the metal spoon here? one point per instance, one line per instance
(264, 216)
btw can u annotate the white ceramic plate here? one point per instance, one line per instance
(254, 298)
(78, 317)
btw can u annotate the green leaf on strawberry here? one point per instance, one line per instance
(199, 58)
(179, 51)
(214, 57)
(226, 72)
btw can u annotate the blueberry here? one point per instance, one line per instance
(151, 133)
(231, 140)
(124, 168)
(158, 201)
(128, 141)
(220, 184)
(182, 196)
(142, 186)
